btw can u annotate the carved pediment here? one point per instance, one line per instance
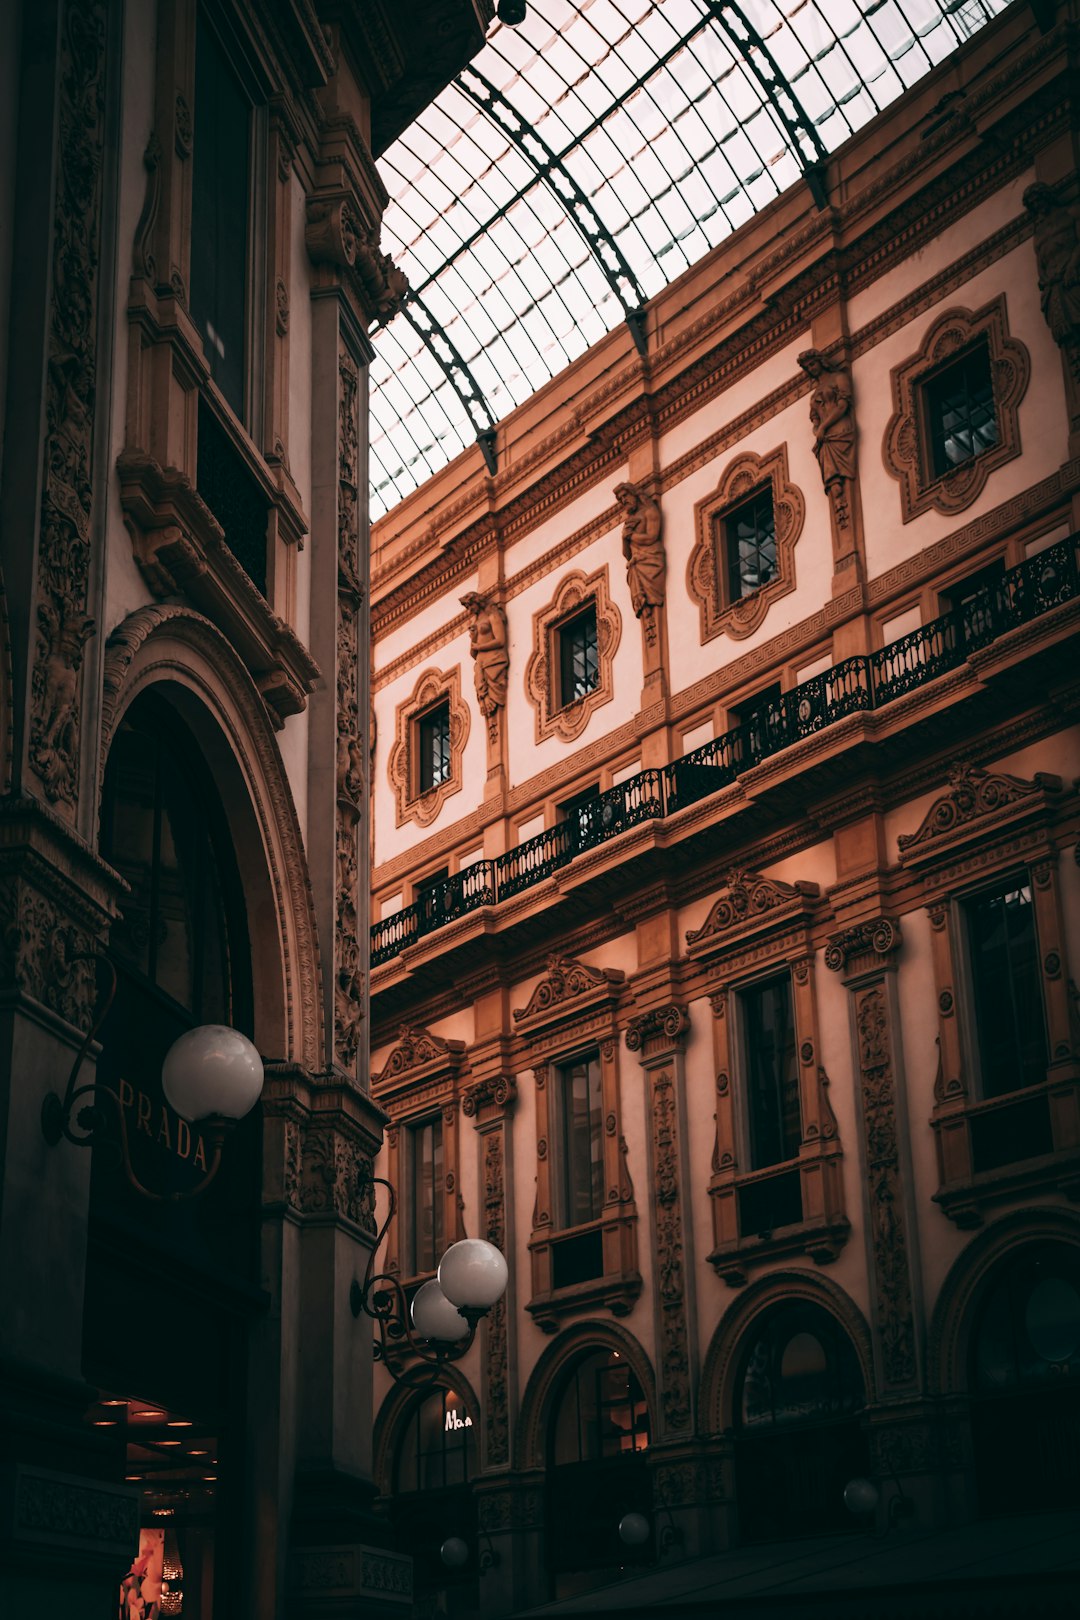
(565, 980)
(746, 898)
(974, 797)
(418, 1048)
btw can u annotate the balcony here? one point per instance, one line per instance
(856, 685)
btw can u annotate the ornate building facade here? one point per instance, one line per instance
(189, 267)
(725, 878)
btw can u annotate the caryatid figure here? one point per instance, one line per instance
(1057, 254)
(491, 656)
(831, 417)
(642, 547)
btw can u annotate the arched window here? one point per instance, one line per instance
(598, 1438)
(434, 1462)
(182, 957)
(1025, 1384)
(798, 1436)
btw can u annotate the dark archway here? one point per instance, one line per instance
(798, 1435)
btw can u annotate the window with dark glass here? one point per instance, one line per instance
(760, 718)
(426, 1179)
(579, 656)
(428, 892)
(746, 537)
(220, 210)
(771, 1072)
(959, 410)
(598, 1470)
(433, 740)
(798, 1437)
(977, 600)
(1003, 950)
(1025, 1384)
(582, 1160)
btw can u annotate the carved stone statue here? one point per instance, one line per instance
(488, 645)
(1057, 254)
(642, 547)
(831, 417)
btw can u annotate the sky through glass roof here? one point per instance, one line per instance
(587, 158)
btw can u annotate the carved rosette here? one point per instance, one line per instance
(348, 965)
(63, 624)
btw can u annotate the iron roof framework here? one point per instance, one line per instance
(586, 159)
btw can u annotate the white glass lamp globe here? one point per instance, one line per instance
(633, 1529)
(473, 1274)
(861, 1496)
(212, 1070)
(454, 1552)
(434, 1317)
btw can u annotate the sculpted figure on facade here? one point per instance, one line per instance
(1057, 254)
(491, 655)
(833, 422)
(643, 548)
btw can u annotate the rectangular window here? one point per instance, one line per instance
(427, 893)
(581, 1111)
(433, 737)
(978, 600)
(959, 410)
(579, 656)
(220, 209)
(771, 1072)
(426, 1183)
(1003, 950)
(761, 719)
(747, 539)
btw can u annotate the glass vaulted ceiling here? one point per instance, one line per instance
(588, 157)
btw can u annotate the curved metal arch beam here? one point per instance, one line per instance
(781, 97)
(565, 189)
(455, 369)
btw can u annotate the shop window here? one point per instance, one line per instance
(433, 1500)
(426, 1179)
(1025, 1385)
(220, 214)
(433, 747)
(599, 1438)
(1009, 1027)
(798, 1435)
(770, 1072)
(581, 1169)
(958, 410)
(579, 656)
(746, 538)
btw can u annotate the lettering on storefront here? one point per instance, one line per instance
(454, 1420)
(149, 1117)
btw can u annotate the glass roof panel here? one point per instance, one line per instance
(675, 120)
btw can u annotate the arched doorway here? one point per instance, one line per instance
(171, 1287)
(598, 1439)
(1025, 1383)
(435, 1460)
(798, 1438)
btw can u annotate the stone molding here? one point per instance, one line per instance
(748, 902)
(64, 1515)
(706, 572)
(574, 591)
(975, 802)
(905, 448)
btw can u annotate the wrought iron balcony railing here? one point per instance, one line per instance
(855, 685)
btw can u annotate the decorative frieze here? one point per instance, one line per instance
(658, 1036)
(67, 502)
(349, 975)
